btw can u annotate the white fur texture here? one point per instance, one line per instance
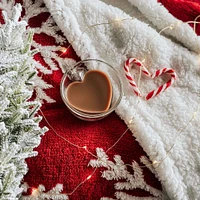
(157, 122)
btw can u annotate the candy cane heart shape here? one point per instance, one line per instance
(153, 93)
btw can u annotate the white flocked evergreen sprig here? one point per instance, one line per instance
(19, 122)
(118, 171)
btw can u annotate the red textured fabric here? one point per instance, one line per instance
(185, 10)
(60, 162)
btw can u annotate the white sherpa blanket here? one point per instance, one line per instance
(157, 122)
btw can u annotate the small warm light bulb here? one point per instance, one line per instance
(178, 23)
(63, 50)
(171, 27)
(195, 114)
(130, 121)
(117, 21)
(155, 162)
(34, 191)
(85, 147)
(89, 177)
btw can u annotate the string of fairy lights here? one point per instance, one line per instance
(155, 163)
(84, 148)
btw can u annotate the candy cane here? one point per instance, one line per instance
(144, 70)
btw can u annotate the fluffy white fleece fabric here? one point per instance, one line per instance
(157, 122)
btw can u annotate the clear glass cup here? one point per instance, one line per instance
(77, 72)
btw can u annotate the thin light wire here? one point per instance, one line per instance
(171, 26)
(131, 120)
(178, 135)
(195, 22)
(157, 163)
(80, 147)
(82, 182)
(117, 140)
(75, 145)
(92, 26)
(117, 20)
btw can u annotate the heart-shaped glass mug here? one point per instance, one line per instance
(77, 74)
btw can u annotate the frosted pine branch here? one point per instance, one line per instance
(117, 170)
(40, 194)
(19, 127)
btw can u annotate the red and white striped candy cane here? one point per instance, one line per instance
(144, 70)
